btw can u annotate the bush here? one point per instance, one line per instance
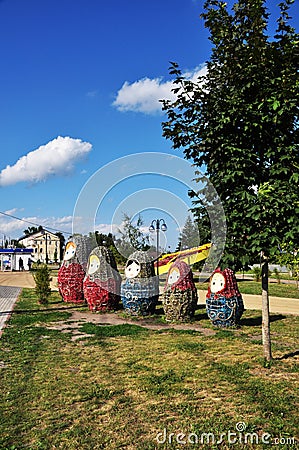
(257, 273)
(277, 275)
(42, 283)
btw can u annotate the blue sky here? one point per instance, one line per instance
(79, 84)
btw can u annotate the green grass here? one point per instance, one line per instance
(124, 384)
(113, 330)
(283, 275)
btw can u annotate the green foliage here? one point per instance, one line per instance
(61, 245)
(189, 236)
(289, 257)
(108, 241)
(240, 122)
(32, 230)
(132, 238)
(42, 283)
(257, 273)
(277, 275)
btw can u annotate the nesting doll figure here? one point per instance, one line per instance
(224, 302)
(71, 275)
(180, 294)
(102, 281)
(140, 290)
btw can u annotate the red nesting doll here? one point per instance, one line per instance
(71, 275)
(102, 281)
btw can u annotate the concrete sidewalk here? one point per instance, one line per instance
(8, 297)
(23, 279)
(18, 279)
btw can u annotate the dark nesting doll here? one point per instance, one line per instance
(102, 281)
(71, 275)
(140, 290)
(224, 302)
(180, 294)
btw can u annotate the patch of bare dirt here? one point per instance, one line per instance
(78, 318)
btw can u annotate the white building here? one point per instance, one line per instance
(45, 246)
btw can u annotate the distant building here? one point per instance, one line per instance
(44, 244)
(10, 258)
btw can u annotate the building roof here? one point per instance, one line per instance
(38, 234)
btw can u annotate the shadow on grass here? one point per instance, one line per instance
(257, 321)
(288, 355)
(240, 280)
(200, 313)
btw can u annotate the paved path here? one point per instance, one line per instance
(23, 279)
(18, 279)
(8, 297)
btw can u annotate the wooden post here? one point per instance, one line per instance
(265, 309)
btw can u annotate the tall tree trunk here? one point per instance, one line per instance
(265, 309)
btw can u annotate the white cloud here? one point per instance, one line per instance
(11, 211)
(144, 95)
(107, 228)
(14, 228)
(57, 157)
(81, 224)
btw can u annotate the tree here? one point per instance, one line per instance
(42, 284)
(240, 122)
(32, 230)
(15, 243)
(104, 239)
(289, 257)
(189, 236)
(132, 237)
(61, 244)
(107, 240)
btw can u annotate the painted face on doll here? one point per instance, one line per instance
(132, 269)
(94, 264)
(217, 283)
(174, 275)
(70, 251)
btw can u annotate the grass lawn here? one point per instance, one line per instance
(119, 386)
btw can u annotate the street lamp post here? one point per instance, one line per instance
(46, 238)
(47, 257)
(155, 226)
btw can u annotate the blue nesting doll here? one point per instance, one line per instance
(224, 302)
(140, 290)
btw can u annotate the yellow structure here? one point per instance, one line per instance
(190, 256)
